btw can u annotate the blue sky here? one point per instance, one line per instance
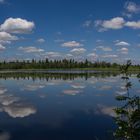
(56, 29)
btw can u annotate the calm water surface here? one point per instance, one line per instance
(60, 107)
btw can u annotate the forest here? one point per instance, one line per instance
(61, 64)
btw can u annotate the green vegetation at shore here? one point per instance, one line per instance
(63, 65)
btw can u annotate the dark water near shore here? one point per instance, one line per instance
(60, 106)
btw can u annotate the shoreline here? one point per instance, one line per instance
(64, 71)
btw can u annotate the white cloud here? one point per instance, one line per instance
(131, 7)
(30, 49)
(114, 23)
(52, 55)
(78, 50)
(106, 49)
(41, 40)
(133, 24)
(92, 55)
(122, 43)
(110, 56)
(123, 50)
(72, 44)
(17, 25)
(7, 38)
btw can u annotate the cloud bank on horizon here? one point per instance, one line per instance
(100, 30)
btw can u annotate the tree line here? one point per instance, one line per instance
(58, 64)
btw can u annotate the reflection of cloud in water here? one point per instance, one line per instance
(2, 90)
(14, 106)
(110, 80)
(4, 135)
(33, 87)
(19, 110)
(43, 95)
(105, 87)
(7, 99)
(92, 80)
(121, 92)
(101, 110)
(78, 86)
(123, 88)
(72, 92)
(138, 91)
(106, 110)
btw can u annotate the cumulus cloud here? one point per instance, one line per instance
(78, 50)
(132, 7)
(53, 55)
(110, 56)
(115, 24)
(106, 49)
(123, 50)
(30, 49)
(69, 55)
(122, 43)
(133, 24)
(17, 25)
(92, 55)
(71, 44)
(6, 38)
(41, 40)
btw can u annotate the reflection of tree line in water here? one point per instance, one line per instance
(128, 115)
(61, 76)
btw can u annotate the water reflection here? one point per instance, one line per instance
(62, 76)
(13, 105)
(4, 135)
(59, 106)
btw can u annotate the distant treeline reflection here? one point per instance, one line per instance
(47, 76)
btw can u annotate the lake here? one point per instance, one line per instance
(60, 106)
